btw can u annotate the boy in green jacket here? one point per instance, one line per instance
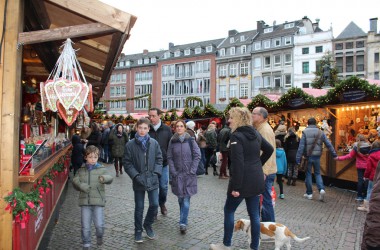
(90, 181)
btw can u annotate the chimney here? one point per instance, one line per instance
(171, 45)
(373, 25)
(260, 26)
(232, 32)
(145, 51)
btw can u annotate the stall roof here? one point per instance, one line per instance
(99, 32)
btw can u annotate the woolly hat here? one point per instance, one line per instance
(190, 124)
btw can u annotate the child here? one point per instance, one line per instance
(90, 182)
(77, 154)
(143, 163)
(281, 166)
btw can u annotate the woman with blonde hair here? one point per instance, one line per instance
(246, 174)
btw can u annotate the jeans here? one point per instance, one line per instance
(362, 185)
(267, 210)
(230, 207)
(139, 208)
(184, 206)
(164, 180)
(89, 214)
(369, 190)
(313, 161)
(203, 156)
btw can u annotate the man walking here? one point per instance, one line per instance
(162, 134)
(259, 118)
(311, 140)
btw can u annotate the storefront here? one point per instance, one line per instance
(33, 34)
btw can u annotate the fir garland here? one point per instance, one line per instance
(234, 102)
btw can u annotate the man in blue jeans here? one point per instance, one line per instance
(161, 133)
(312, 139)
(259, 118)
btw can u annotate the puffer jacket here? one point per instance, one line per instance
(373, 159)
(118, 145)
(144, 168)
(361, 157)
(281, 161)
(246, 172)
(92, 191)
(371, 236)
(183, 164)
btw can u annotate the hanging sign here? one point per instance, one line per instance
(51, 95)
(68, 115)
(89, 106)
(354, 95)
(82, 97)
(67, 92)
(293, 103)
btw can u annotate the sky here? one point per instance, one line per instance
(181, 22)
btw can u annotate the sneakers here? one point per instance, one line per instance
(182, 229)
(219, 246)
(359, 199)
(149, 232)
(322, 195)
(138, 237)
(282, 196)
(99, 241)
(164, 211)
(308, 196)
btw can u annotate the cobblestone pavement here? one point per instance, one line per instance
(333, 224)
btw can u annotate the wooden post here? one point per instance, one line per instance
(10, 98)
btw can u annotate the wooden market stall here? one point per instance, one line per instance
(33, 32)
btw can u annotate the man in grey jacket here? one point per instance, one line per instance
(309, 135)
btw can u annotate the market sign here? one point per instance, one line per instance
(293, 103)
(354, 95)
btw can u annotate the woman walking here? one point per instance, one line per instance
(246, 175)
(183, 158)
(119, 138)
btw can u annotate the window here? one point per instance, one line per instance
(266, 80)
(222, 52)
(233, 90)
(177, 53)
(289, 25)
(305, 67)
(277, 81)
(232, 70)
(267, 62)
(277, 42)
(146, 60)
(123, 77)
(187, 52)
(257, 46)
(359, 44)
(222, 91)
(318, 49)
(206, 66)
(232, 51)
(305, 85)
(139, 62)
(257, 82)
(318, 64)
(198, 50)
(376, 57)
(232, 40)
(288, 81)
(349, 63)
(153, 60)
(257, 63)
(305, 51)
(376, 75)
(277, 60)
(243, 49)
(288, 40)
(199, 67)
(222, 70)
(242, 38)
(121, 64)
(288, 59)
(128, 63)
(209, 49)
(112, 91)
(244, 90)
(349, 45)
(267, 44)
(338, 46)
(339, 64)
(206, 86)
(268, 30)
(244, 68)
(359, 63)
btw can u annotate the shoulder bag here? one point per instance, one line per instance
(304, 160)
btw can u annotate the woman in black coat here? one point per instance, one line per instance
(291, 146)
(246, 174)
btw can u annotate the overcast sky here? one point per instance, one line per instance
(181, 22)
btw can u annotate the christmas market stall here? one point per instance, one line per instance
(57, 57)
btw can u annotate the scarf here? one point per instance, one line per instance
(182, 138)
(91, 167)
(119, 135)
(144, 141)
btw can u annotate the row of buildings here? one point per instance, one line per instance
(268, 60)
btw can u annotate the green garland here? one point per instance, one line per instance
(233, 103)
(193, 98)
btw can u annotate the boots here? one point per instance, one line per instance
(294, 181)
(364, 207)
(121, 168)
(117, 169)
(289, 180)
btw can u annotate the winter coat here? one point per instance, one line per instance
(291, 146)
(371, 236)
(201, 140)
(246, 171)
(307, 140)
(361, 156)
(77, 154)
(266, 132)
(163, 136)
(281, 161)
(95, 139)
(223, 138)
(210, 136)
(118, 145)
(105, 136)
(92, 191)
(183, 164)
(144, 168)
(373, 159)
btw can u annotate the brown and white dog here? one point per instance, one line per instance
(270, 230)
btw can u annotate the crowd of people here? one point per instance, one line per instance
(246, 149)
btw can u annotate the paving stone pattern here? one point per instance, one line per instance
(333, 224)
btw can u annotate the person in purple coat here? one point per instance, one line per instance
(183, 158)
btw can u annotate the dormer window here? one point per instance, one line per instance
(140, 61)
(242, 38)
(243, 49)
(121, 64)
(268, 30)
(277, 42)
(153, 60)
(187, 52)
(128, 63)
(209, 49)
(198, 50)
(146, 60)
(232, 51)
(267, 44)
(222, 52)
(167, 55)
(177, 53)
(257, 46)
(289, 25)
(232, 40)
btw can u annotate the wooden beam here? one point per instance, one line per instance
(96, 45)
(10, 99)
(99, 12)
(90, 63)
(62, 33)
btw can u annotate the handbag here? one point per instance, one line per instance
(201, 168)
(304, 160)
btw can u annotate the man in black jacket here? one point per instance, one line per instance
(161, 133)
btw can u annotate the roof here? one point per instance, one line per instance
(248, 36)
(98, 31)
(351, 31)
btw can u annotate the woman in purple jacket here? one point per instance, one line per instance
(183, 158)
